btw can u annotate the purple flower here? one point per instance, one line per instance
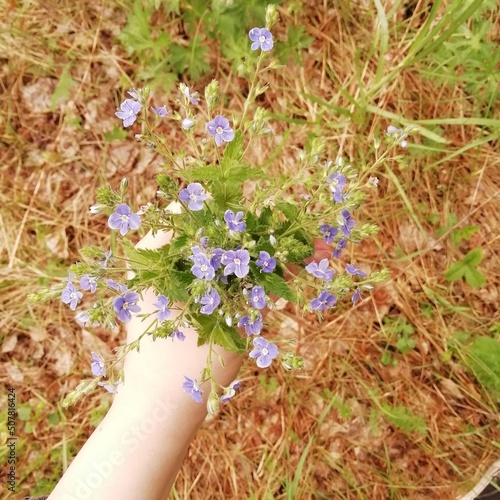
(125, 305)
(220, 130)
(70, 295)
(118, 287)
(161, 111)
(210, 301)
(112, 388)
(261, 39)
(324, 300)
(264, 352)
(337, 182)
(162, 306)
(178, 334)
(83, 317)
(337, 250)
(194, 195)
(97, 365)
(88, 282)
(215, 260)
(352, 269)
(230, 391)
(233, 221)
(328, 232)
(133, 93)
(107, 258)
(252, 326)
(356, 296)
(202, 268)
(257, 297)
(346, 223)
(193, 389)
(124, 220)
(129, 109)
(191, 97)
(320, 271)
(204, 241)
(236, 262)
(266, 262)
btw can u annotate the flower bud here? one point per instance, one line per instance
(272, 15)
(187, 123)
(97, 208)
(212, 95)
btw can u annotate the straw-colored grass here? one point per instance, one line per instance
(346, 426)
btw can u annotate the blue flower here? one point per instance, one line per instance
(324, 300)
(264, 352)
(234, 221)
(210, 301)
(220, 130)
(107, 258)
(353, 270)
(337, 183)
(230, 391)
(88, 282)
(193, 389)
(202, 268)
(129, 109)
(337, 250)
(328, 232)
(118, 287)
(191, 97)
(257, 297)
(124, 220)
(346, 223)
(194, 195)
(261, 39)
(320, 271)
(356, 296)
(215, 259)
(97, 365)
(70, 295)
(125, 305)
(161, 111)
(252, 326)
(177, 333)
(266, 262)
(162, 306)
(236, 262)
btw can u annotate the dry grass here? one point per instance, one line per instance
(324, 432)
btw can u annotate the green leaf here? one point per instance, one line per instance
(404, 418)
(222, 335)
(234, 149)
(474, 277)
(237, 172)
(455, 271)
(272, 283)
(63, 87)
(167, 185)
(474, 257)
(24, 412)
(178, 244)
(210, 173)
(141, 258)
(463, 234)
(289, 209)
(483, 358)
(226, 195)
(117, 134)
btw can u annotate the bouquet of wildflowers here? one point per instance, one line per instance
(229, 257)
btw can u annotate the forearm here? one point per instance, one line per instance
(138, 448)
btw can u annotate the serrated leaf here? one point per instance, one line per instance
(236, 171)
(272, 283)
(483, 358)
(404, 418)
(226, 195)
(474, 277)
(474, 257)
(140, 258)
(289, 209)
(455, 271)
(226, 337)
(63, 87)
(178, 244)
(210, 173)
(234, 149)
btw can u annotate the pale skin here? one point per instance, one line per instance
(140, 444)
